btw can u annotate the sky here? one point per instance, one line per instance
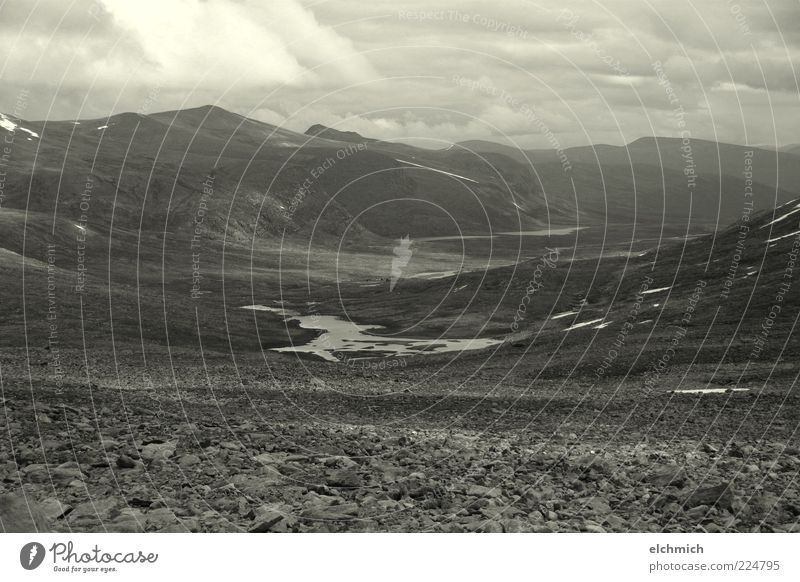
(529, 73)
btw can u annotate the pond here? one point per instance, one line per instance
(345, 337)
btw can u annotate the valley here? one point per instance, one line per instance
(630, 361)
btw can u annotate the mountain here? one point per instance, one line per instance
(255, 181)
(336, 135)
(698, 180)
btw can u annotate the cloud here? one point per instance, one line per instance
(190, 49)
(386, 68)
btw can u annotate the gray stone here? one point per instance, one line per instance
(160, 451)
(719, 495)
(667, 475)
(53, 509)
(19, 514)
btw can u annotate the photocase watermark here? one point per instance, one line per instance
(475, 18)
(31, 555)
(741, 20)
(305, 187)
(80, 237)
(68, 559)
(662, 364)
(20, 105)
(152, 393)
(520, 107)
(53, 341)
(622, 336)
(785, 286)
(402, 255)
(679, 113)
(570, 20)
(744, 228)
(536, 282)
(152, 98)
(196, 242)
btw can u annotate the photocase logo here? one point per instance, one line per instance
(402, 255)
(31, 555)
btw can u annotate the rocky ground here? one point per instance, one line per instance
(265, 461)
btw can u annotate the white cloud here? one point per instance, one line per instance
(239, 44)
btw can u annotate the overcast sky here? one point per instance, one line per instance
(536, 73)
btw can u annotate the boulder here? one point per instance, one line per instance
(20, 514)
(158, 451)
(720, 495)
(667, 475)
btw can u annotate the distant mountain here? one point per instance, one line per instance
(244, 178)
(336, 135)
(252, 180)
(707, 177)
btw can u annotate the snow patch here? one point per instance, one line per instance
(584, 324)
(787, 215)
(565, 314)
(435, 170)
(709, 390)
(777, 238)
(6, 123)
(9, 125)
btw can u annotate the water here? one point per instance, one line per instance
(557, 231)
(344, 337)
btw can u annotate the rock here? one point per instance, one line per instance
(271, 518)
(188, 461)
(109, 443)
(257, 485)
(19, 514)
(100, 509)
(54, 509)
(615, 522)
(709, 449)
(536, 516)
(36, 473)
(667, 475)
(697, 513)
(719, 495)
(348, 477)
(158, 451)
(270, 459)
(598, 505)
(126, 524)
(595, 463)
(593, 527)
(162, 518)
(68, 472)
(343, 511)
(125, 462)
(474, 490)
(514, 526)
